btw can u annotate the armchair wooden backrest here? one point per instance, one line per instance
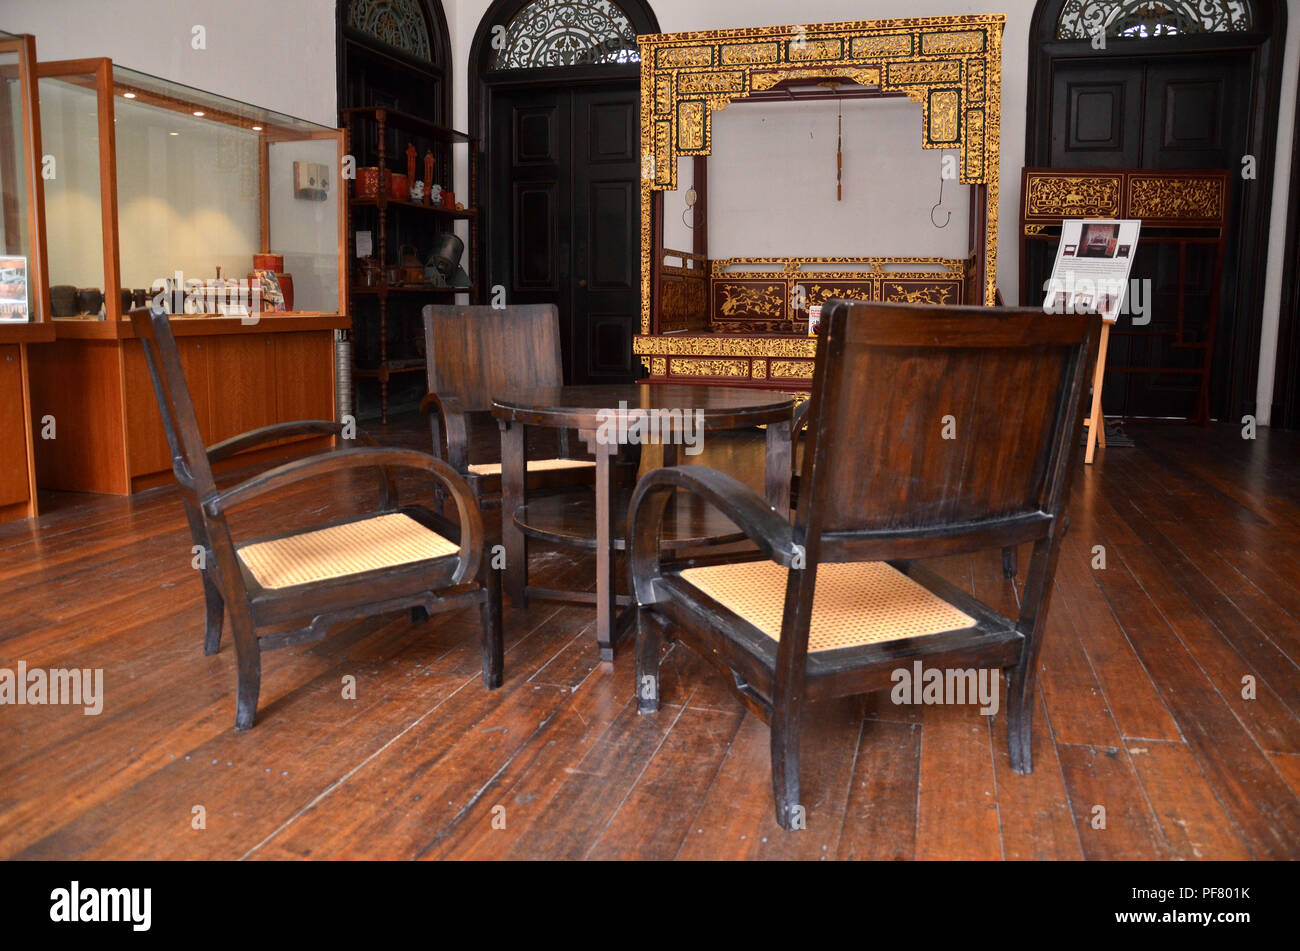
(939, 430)
(181, 424)
(476, 353)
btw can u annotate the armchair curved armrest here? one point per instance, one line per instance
(471, 522)
(760, 522)
(447, 414)
(302, 427)
(255, 437)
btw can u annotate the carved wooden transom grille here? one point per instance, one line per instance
(566, 33)
(1138, 19)
(398, 23)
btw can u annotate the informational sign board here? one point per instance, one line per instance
(13, 290)
(1091, 273)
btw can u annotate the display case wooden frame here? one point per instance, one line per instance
(951, 66)
(92, 379)
(17, 453)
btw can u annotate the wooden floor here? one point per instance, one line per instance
(1142, 712)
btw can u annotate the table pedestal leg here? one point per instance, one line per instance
(606, 600)
(513, 490)
(780, 449)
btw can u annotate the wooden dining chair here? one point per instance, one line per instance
(933, 431)
(476, 353)
(397, 559)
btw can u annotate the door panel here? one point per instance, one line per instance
(606, 228)
(564, 225)
(1166, 112)
(1097, 116)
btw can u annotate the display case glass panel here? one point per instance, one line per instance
(213, 207)
(21, 300)
(205, 182)
(74, 200)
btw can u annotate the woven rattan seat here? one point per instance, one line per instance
(856, 602)
(534, 465)
(342, 550)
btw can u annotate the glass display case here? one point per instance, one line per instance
(160, 191)
(24, 324)
(229, 216)
(22, 263)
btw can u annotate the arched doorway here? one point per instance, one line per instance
(1169, 84)
(555, 102)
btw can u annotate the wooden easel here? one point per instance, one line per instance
(1095, 422)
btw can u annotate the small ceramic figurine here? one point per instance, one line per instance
(435, 195)
(417, 191)
(428, 169)
(410, 161)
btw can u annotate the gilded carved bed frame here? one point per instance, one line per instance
(951, 66)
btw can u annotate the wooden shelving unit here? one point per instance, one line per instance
(374, 309)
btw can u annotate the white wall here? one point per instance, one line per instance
(278, 54)
(774, 191)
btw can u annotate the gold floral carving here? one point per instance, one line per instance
(932, 294)
(862, 75)
(760, 370)
(694, 367)
(943, 115)
(964, 41)
(1175, 198)
(925, 74)
(1072, 196)
(754, 301)
(658, 366)
(750, 54)
(724, 345)
(792, 369)
(690, 125)
(690, 84)
(889, 44)
(809, 50)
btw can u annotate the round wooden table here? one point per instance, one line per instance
(607, 417)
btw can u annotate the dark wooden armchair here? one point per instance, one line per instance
(399, 559)
(476, 353)
(933, 431)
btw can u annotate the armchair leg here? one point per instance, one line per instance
(249, 657)
(216, 609)
(649, 643)
(493, 649)
(1020, 718)
(785, 769)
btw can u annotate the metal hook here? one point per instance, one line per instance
(936, 208)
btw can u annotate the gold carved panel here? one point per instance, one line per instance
(695, 367)
(951, 65)
(1073, 196)
(1182, 198)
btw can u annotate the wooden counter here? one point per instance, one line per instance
(108, 436)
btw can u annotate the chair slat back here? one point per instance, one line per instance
(476, 353)
(189, 453)
(936, 423)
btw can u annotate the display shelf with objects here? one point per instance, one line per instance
(230, 217)
(24, 308)
(403, 241)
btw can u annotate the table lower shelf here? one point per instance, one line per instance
(570, 519)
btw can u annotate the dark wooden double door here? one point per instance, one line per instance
(564, 217)
(1160, 112)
